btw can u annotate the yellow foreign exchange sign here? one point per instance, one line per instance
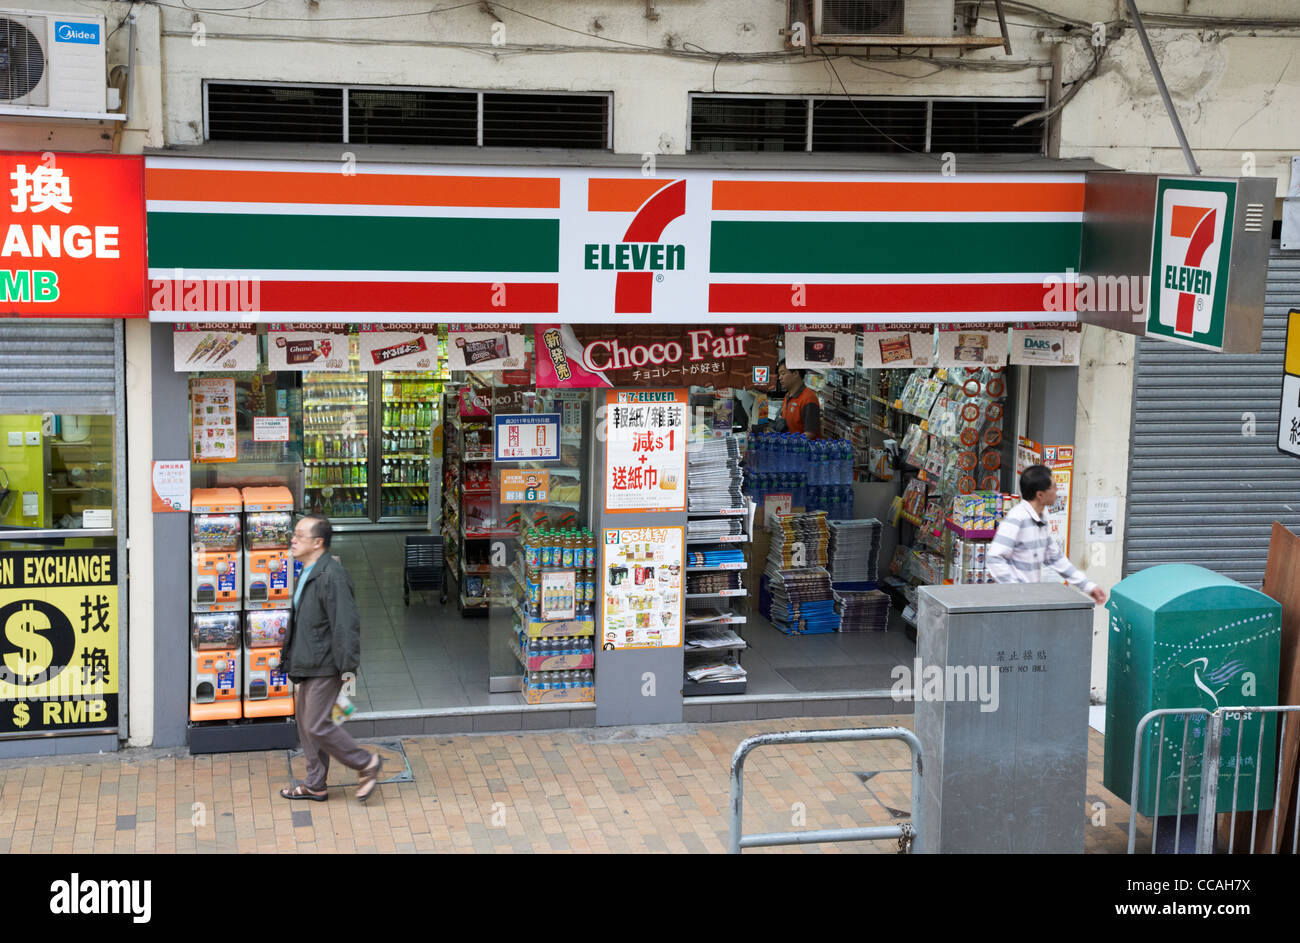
(58, 641)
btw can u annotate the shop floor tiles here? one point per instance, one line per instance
(838, 678)
(629, 790)
(426, 656)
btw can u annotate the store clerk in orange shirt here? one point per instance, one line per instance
(801, 411)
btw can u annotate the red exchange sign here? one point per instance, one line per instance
(73, 230)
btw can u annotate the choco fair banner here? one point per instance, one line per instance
(398, 347)
(307, 347)
(583, 355)
(485, 347)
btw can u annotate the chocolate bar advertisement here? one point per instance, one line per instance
(971, 345)
(214, 347)
(485, 347)
(394, 347)
(821, 347)
(596, 355)
(897, 345)
(307, 347)
(1046, 344)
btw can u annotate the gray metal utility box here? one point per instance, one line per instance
(1001, 710)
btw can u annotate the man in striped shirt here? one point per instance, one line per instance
(1024, 541)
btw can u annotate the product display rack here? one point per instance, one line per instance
(723, 601)
(336, 442)
(553, 603)
(372, 443)
(468, 502)
(410, 417)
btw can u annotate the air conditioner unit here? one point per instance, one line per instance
(841, 20)
(53, 62)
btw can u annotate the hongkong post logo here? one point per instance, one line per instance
(1190, 262)
(641, 259)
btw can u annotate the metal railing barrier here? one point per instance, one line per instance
(906, 833)
(1210, 762)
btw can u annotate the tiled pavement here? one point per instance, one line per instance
(649, 789)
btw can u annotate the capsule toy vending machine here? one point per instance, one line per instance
(215, 550)
(268, 562)
(267, 692)
(215, 666)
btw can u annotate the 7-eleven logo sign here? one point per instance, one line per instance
(1189, 260)
(640, 259)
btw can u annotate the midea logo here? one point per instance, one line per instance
(76, 33)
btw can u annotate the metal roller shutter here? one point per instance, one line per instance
(61, 366)
(1201, 489)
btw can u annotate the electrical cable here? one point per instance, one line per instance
(309, 19)
(867, 122)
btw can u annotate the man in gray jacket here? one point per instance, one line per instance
(323, 644)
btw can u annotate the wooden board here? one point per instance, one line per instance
(1282, 583)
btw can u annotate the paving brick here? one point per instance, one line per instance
(561, 793)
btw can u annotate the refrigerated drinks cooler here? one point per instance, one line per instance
(372, 445)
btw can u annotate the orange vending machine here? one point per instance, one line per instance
(267, 692)
(215, 584)
(268, 562)
(214, 666)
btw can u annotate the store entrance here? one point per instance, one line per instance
(804, 542)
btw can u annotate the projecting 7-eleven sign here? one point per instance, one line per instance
(1190, 249)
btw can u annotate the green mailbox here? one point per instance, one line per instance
(1184, 636)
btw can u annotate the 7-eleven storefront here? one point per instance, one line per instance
(564, 373)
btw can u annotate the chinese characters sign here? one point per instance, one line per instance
(645, 450)
(643, 601)
(1060, 459)
(212, 408)
(58, 641)
(171, 486)
(1288, 427)
(73, 229)
(529, 486)
(527, 438)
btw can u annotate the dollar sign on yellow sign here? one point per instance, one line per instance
(35, 653)
(22, 716)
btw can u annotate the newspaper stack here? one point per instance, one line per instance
(710, 528)
(714, 669)
(715, 636)
(854, 551)
(863, 612)
(801, 602)
(714, 479)
(798, 540)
